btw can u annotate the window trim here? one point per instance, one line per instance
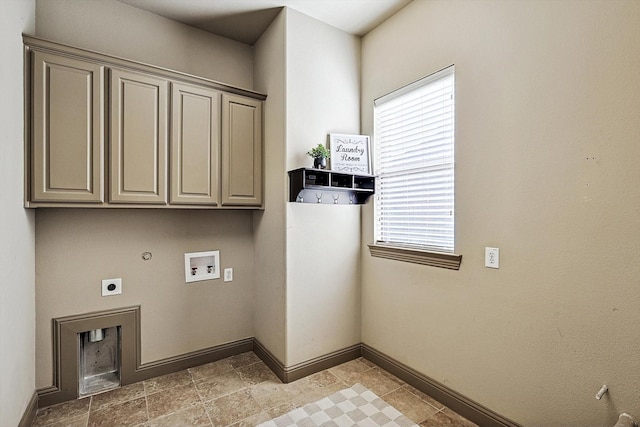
(431, 258)
(416, 254)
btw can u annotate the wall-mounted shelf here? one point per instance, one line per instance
(308, 185)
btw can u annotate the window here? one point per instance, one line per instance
(414, 163)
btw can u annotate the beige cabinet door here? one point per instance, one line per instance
(195, 145)
(67, 134)
(241, 151)
(138, 149)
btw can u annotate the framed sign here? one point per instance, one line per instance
(349, 153)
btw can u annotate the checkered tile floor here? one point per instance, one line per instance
(355, 406)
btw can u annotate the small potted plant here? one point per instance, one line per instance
(320, 154)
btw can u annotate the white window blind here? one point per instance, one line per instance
(414, 164)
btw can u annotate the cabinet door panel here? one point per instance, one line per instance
(138, 138)
(68, 130)
(195, 145)
(241, 151)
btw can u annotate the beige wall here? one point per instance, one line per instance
(547, 132)
(75, 249)
(307, 299)
(269, 225)
(17, 299)
(111, 27)
(323, 292)
(323, 268)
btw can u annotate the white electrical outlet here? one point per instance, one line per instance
(228, 274)
(492, 257)
(111, 287)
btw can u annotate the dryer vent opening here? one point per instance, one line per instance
(99, 361)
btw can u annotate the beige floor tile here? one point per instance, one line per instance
(232, 408)
(349, 372)
(378, 382)
(117, 396)
(194, 415)
(253, 420)
(463, 422)
(125, 414)
(414, 408)
(63, 411)
(447, 419)
(239, 391)
(367, 362)
(314, 387)
(244, 359)
(80, 421)
(169, 401)
(210, 369)
(430, 400)
(388, 374)
(167, 382)
(257, 373)
(269, 395)
(280, 410)
(224, 383)
(313, 393)
(322, 378)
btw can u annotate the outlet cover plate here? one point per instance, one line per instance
(111, 287)
(492, 257)
(228, 274)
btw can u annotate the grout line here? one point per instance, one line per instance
(439, 411)
(432, 415)
(89, 411)
(434, 407)
(202, 402)
(146, 405)
(250, 388)
(222, 395)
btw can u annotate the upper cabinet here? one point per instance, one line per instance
(108, 132)
(241, 151)
(67, 130)
(195, 145)
(139, 140)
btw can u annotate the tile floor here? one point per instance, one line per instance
(238, 391)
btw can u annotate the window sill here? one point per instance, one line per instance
(417, 256)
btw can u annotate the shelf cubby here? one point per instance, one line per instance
(308, 185)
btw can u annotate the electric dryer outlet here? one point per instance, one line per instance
(111, 287)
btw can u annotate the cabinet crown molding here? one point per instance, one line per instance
(43, 45)
(106, 132)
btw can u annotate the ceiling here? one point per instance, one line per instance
(246, 20)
